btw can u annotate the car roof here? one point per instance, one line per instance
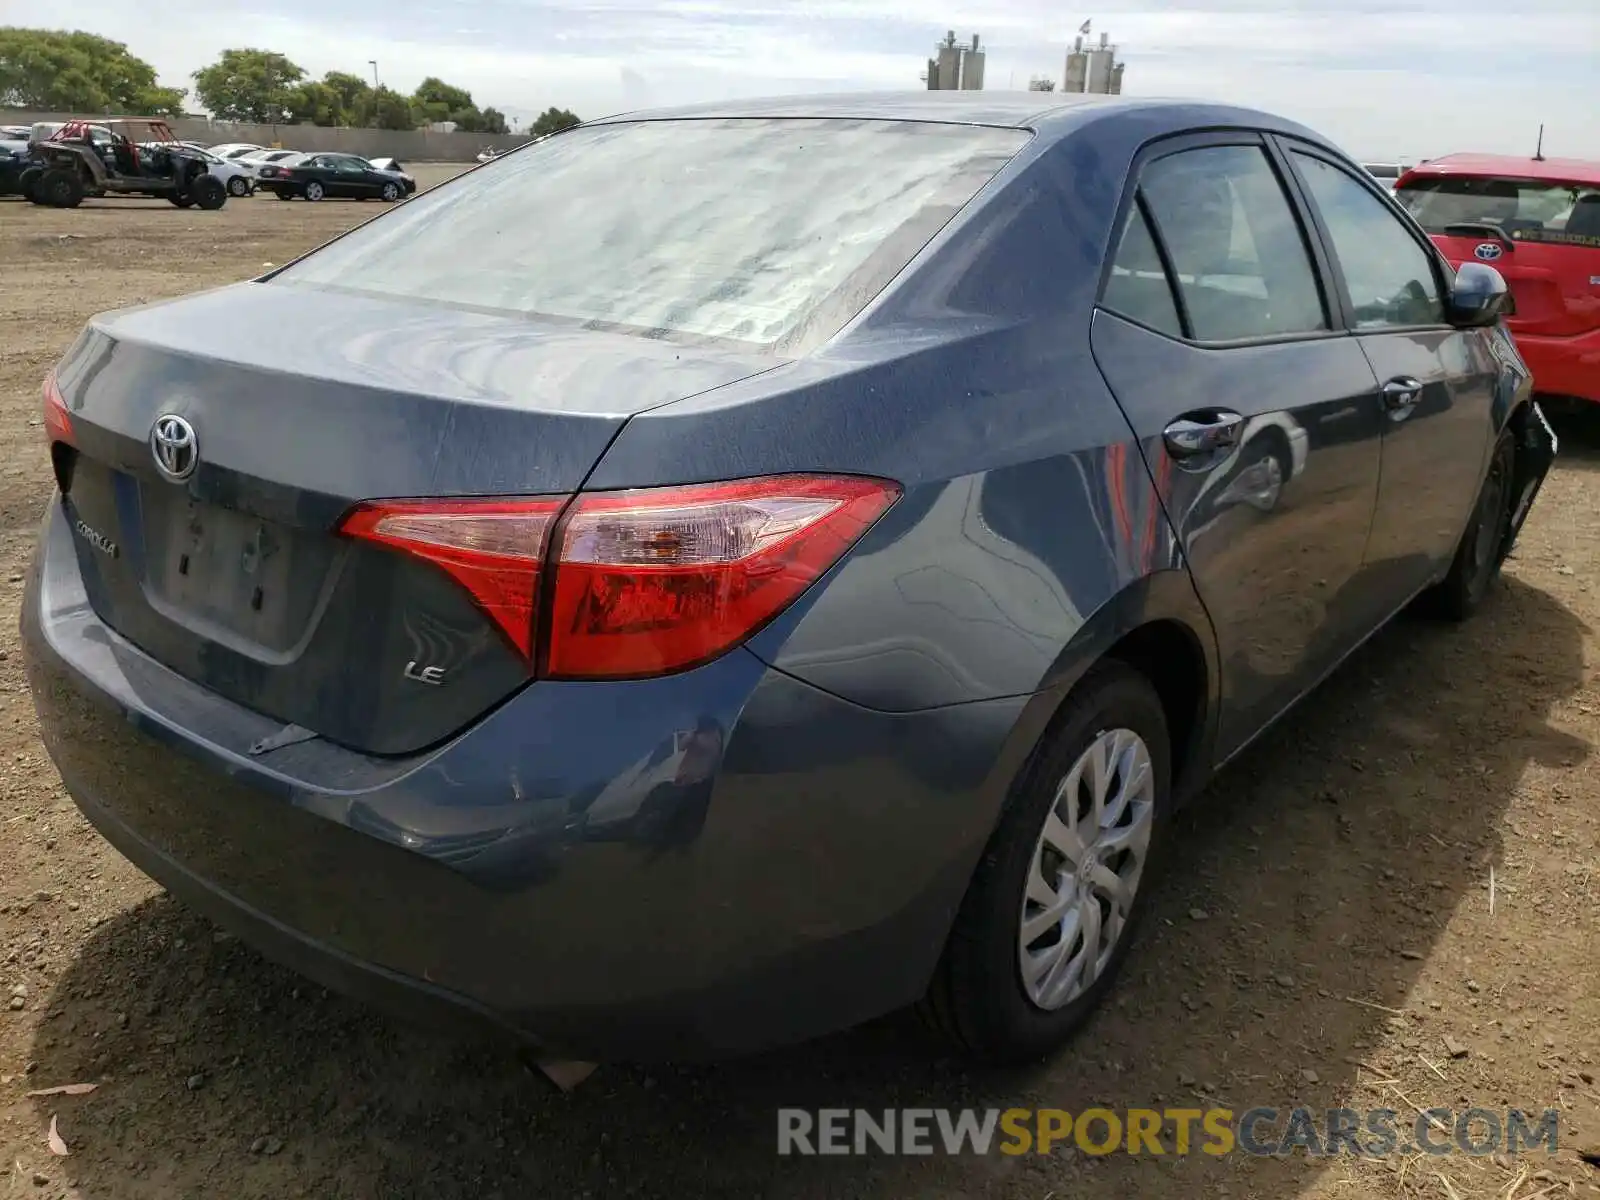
(1481, 166)
(1048, 114)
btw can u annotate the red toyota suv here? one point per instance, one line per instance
(1538, 222)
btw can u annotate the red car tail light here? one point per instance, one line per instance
(660, 579)
(645, 582)
(493, 548)
(57, 421)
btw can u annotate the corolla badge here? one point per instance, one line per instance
(174, 447)
(1489, 251)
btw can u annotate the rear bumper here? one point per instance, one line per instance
(1563, 366)
(679, 868)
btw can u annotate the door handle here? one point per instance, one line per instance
(1201, 433)
(1401, 394)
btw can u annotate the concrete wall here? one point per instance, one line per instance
(409, 146)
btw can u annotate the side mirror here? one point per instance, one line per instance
(1478, 297)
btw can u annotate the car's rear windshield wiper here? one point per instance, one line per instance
(1481, 229)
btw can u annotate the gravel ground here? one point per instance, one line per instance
(1327, 939)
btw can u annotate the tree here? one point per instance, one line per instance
(314, 103)
(248, 85)
(435, 100)
(63, 71)
(385, 108)
(553, 120)
(354, 92)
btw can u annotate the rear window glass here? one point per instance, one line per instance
(1528, 210)
(766, 231)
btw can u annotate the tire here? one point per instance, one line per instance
(979, 998)
(178, 201)
(26, 180)
(208, 192)
(391, 192)
(58, 188)
(238, 186)
(283, 195)
(314, 191)
(1483, 546)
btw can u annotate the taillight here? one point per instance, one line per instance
(57, 421)
(493, 548)
(645, 582)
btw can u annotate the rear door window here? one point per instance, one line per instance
(1242, 263)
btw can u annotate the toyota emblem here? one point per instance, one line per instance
(174, 446)
(1489, 251)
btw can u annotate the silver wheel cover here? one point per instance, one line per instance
(1086, 868)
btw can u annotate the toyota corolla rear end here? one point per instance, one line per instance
(328, 635)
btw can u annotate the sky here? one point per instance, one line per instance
(1387, 80)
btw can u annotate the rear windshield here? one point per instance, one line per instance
(1528, 210)
(771, 232)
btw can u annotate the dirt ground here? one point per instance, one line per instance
(1327, 939)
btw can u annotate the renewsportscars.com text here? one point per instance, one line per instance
(1215, 1131)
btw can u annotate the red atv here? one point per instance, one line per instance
(101, 158)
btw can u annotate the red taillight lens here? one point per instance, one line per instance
(493, 548)
(646, 582)
(57, 422)
(660, 579)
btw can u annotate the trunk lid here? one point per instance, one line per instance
(303, 402)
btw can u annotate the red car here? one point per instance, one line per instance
(1536, 220)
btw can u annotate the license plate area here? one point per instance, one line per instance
(221, 570)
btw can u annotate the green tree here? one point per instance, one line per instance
(315, 103)
(435, 100)
(354, 92)
(553, 120)
(63, 71)
(385, 108)
(248, 85)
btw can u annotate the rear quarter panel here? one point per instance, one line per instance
(1029, 532)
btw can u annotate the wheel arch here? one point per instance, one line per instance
(1157, 626)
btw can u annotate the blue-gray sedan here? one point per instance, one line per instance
(715, 576)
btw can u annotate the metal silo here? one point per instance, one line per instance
(1077, 68)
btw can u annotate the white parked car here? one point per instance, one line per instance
(239, 178)
(232, 150)
(254, 160)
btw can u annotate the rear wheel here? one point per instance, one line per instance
(208, 192)
(314, 191)
(1483, 546)
(1052, 906)
(27, 179)
(238, 186)
(178, 201)
(58, 188)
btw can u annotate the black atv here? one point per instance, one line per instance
(106, 158)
